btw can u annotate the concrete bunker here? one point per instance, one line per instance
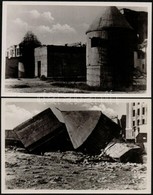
(89, 132)
(110, 51)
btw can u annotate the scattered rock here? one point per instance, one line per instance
(75, 172)
(58, 178)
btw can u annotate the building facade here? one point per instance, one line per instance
(14, 67)
(136, 120)
(140, 57)
(13, 51)
(139, 21)
(61, 62)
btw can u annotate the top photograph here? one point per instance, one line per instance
(76, 49)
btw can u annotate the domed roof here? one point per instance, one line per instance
(109, 17)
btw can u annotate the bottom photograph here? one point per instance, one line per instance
(82, 145)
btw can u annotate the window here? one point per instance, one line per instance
(133, 123)
(98, 42)
(18, 51)
(143, 121)
(142, 66)
(12, 52)
(143, 110)
(133, 112)
(138, 121)
(138, 111)
(133, 104)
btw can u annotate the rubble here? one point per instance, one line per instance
(123, 152)
(64, 175)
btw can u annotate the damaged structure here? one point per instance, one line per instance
(123, 152)
(41, 133)
(110, 51)
(89, 132)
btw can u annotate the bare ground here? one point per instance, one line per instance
(38, 86)
(70, 171)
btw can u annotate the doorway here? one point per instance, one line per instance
(39, 68)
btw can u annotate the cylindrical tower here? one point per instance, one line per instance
(110, 50)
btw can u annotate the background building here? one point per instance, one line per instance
(13, 51)
(13, 58)
(61, 62)
(136, 121)
(139, 22)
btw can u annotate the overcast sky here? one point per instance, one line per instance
(18, 112)
(51, 24)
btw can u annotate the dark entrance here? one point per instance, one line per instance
(39, 68)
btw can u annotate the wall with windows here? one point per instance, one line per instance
(13, 51)
(136, 119)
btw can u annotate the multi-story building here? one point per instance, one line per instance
(140, 57)
(13, 51)
(139, 22)
(136, 120)
(14, 67)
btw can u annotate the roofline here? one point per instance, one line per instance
(106, 28)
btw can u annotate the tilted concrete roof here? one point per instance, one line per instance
(80, 125)
(110, 17)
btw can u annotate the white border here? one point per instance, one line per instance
(90, 95)
(149, 118)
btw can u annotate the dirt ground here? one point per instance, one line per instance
(38, 86)
(70, 171)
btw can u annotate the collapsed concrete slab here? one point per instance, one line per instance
(11, 139)
(43, 132)
(90, 131)
(124, 152)
(80, 125)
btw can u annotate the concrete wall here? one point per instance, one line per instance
(140, 63)
(61, 62)
(21, 70)
(41, 56)
(11, 70)
(110, 62)
(67, 63)
(94, 60)
(37, 131)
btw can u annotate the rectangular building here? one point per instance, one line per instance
(61, 62)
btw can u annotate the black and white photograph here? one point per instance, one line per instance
(76, 110)
(94, 146)
(76, 48)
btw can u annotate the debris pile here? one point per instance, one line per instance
(90, 132)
